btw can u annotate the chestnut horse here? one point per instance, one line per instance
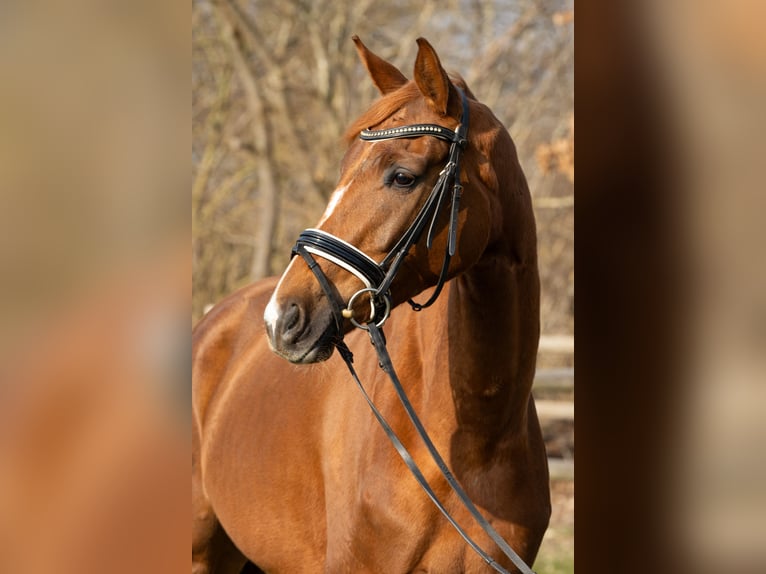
(290, 470)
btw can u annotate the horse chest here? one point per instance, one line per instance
(379, 519)
(395, 528)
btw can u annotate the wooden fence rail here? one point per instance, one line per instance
(557, 344)
(551, 411)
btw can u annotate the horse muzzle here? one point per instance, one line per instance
(300, 335)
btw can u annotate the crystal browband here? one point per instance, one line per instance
(415, 130)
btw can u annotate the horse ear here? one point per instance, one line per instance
(431, 78)
(385, 76)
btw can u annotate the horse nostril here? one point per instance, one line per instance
(293, 323)
(292, 317)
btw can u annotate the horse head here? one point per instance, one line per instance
(388, 179)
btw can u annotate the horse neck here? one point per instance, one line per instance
(493, 327)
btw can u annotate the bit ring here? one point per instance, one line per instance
(349, 313)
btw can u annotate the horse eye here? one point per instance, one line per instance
(403, 179)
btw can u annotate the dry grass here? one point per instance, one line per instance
(557, 551)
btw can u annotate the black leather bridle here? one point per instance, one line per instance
(377, 278)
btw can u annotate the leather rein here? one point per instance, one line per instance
(377, 278)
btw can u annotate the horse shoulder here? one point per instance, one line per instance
(223, 338)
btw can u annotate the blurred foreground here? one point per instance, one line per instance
(95, 297)
(671, 329)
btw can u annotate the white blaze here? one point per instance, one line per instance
(335, 198)
(337, 195)
(271, 314)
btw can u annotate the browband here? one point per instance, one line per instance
(416, 130)
(413, 131)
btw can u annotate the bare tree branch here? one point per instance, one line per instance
(262, 142)
(275, 82)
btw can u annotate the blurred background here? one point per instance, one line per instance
(95, 293)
